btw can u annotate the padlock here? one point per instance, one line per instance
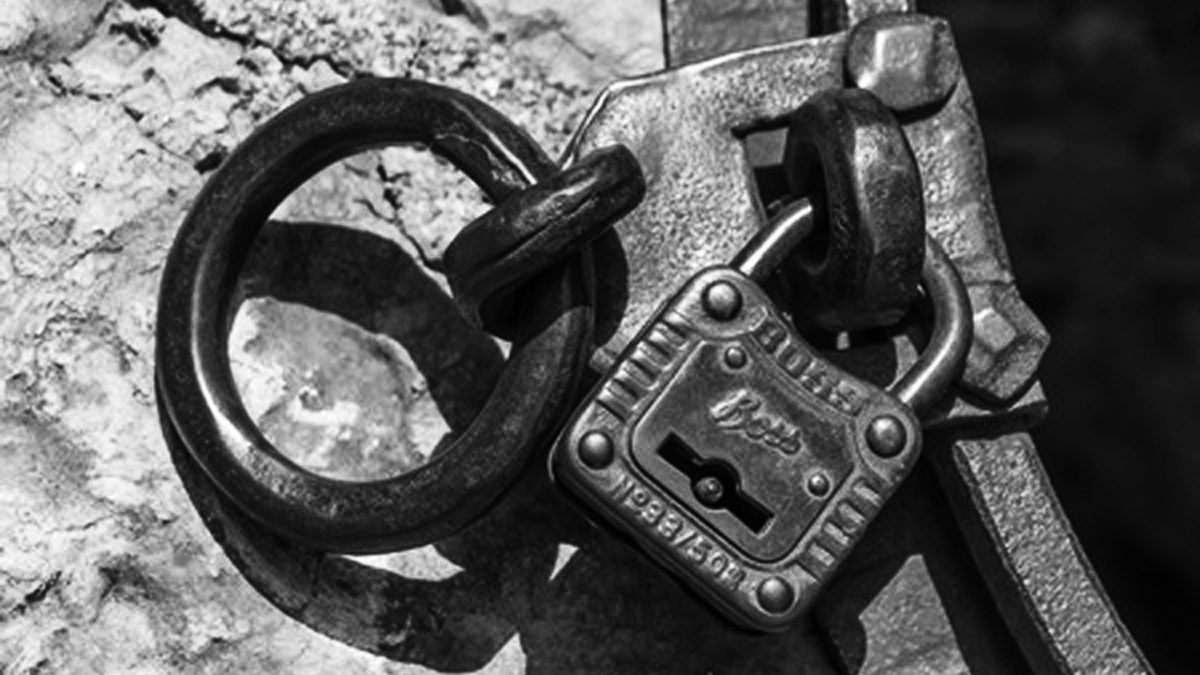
(735, 454)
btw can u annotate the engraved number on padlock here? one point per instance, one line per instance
(736, 455)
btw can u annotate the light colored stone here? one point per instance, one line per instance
(17, 24)
(109, 125)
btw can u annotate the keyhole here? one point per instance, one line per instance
(715, 484)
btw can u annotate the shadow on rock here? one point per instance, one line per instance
(578, 599)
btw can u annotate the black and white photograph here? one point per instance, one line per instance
(409, 337)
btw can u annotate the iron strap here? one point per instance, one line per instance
(1019, 537)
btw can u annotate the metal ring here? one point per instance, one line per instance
(862, 270)
(194, 313)
(534, 229)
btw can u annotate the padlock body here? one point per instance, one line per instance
(733, 453)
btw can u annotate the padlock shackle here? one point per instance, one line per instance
(943, 359)
(775, 241)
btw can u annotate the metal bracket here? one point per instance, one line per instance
(1019, 537)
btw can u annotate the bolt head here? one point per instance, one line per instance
(907, 60)
(722, 300)
(775, 595)
(709, 491)
(595, 449)
(886, 436)
(1008, 343)
(818, 484)
(735, 357)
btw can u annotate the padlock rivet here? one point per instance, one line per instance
(886, 436)
(735, 357)
(709, 491)
(775, 595)
(818, 484)
(722, 300)
(595, 449)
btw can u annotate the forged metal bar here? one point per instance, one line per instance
(917, 50)
(1028, 555)
(701, 207)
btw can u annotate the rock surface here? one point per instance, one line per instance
(111, 115)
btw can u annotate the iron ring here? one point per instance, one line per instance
(194, 314)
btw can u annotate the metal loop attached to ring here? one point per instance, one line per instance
(862, 269)
(536, 228)
(195, 311)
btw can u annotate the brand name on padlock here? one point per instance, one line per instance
(667, 524)
(809, 372)
(743, 412)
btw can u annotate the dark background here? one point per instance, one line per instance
(1091, 114)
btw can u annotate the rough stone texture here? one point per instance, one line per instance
(111, 115)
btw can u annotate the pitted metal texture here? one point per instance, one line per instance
(701, 203)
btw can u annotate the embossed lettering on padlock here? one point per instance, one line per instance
(735, 454)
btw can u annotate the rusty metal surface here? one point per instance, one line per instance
(847, 153)
(701, 204)
(700, 207)
(1023, 544)
(1009, 340)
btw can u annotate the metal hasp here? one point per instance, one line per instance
(1020, 539)
(688, 126)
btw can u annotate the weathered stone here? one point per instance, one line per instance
(104, 565)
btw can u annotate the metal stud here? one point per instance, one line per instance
(596, 449)
(722, 300)
(775, 595)
(886, 436)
